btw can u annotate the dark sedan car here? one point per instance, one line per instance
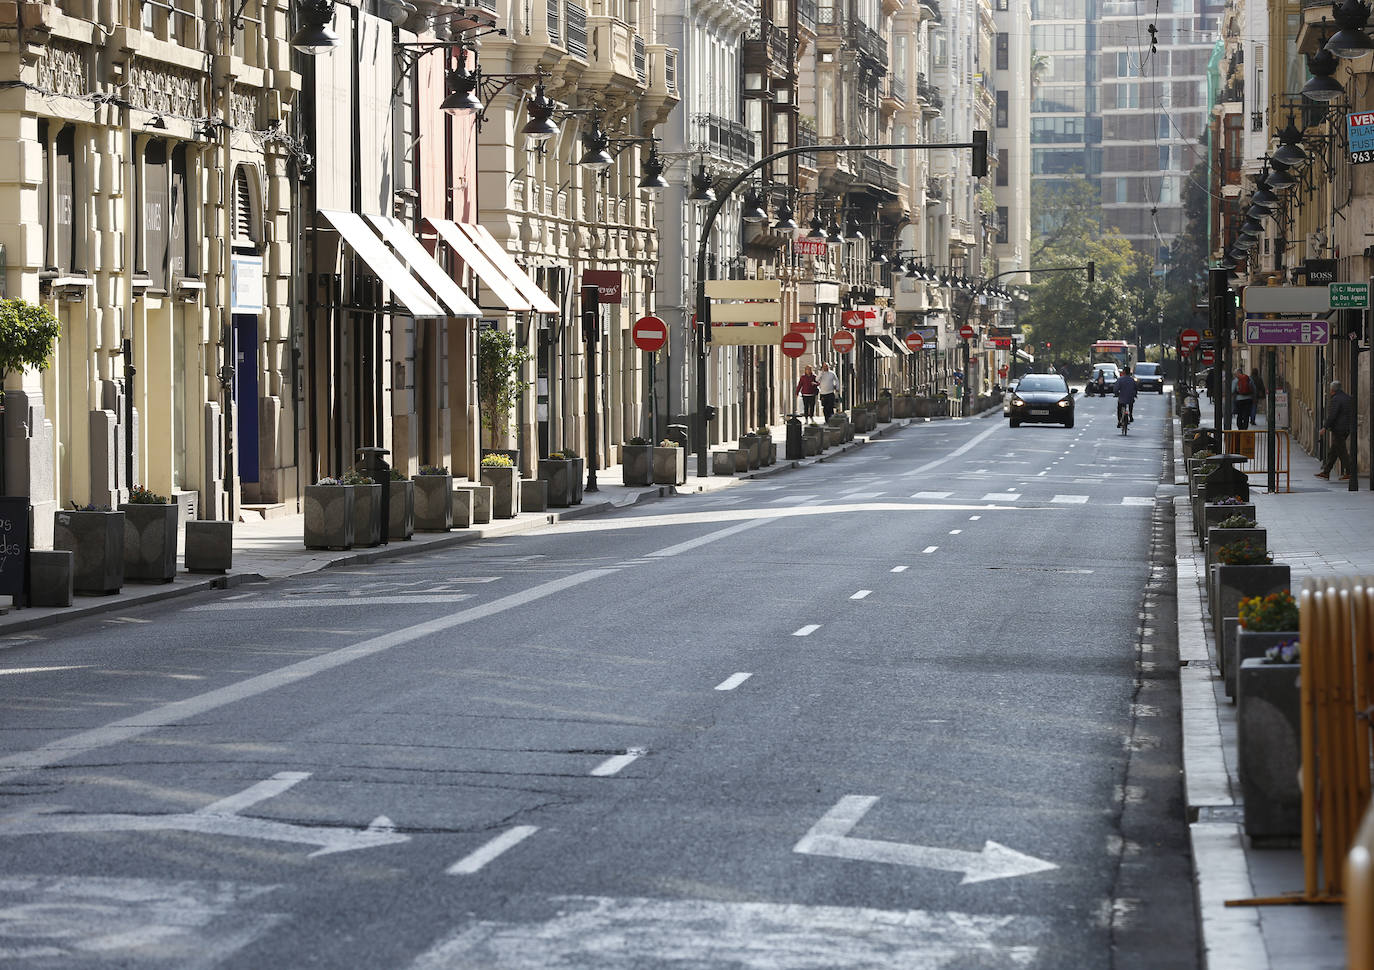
(1149, 377)
(1043, 399)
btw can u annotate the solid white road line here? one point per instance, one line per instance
(733, 681)
(807, 630)
(296, 602)
(691, 544)
(965, 447)
(861, 594)
(613, 765)
(469, 864)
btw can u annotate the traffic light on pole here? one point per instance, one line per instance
(1092, 272)
(980, 154)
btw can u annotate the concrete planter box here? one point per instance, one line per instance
(1243, 645)
(1209, 515)
(812, 440)
(505, 491)
(209, 546)
(670, 466)
(741, 459)
(51, 577)
(831, 437)
(1218, 537)
(96, 542)
(460, 506)
(1231, 584)
(751, 444)
(903, 406)
(400, 519)
(481, 502)
(150, 542)
(885, 409)
(329, 516)
(637, 464)
(433, 503)
(534, 495)
(579, 479)
(367, 514)
(770, 451)
(1269, 751)
(563, 481)
(722, 463)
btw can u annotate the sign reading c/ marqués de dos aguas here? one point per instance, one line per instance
(1359, 129)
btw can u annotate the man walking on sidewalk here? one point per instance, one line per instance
(830, 386)
(1340, 421)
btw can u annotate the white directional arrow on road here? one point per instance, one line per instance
(830, 836)
(220, 818)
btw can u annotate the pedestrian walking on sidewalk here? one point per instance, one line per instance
(1259, 389)
(1243, 394)
(808, 387)
(829, 388)
(1340, 421)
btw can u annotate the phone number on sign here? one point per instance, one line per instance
(1357, 157)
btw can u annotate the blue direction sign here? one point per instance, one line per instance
(1302, 332)
(1359, 129)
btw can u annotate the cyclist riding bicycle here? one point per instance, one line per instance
(1126, 392)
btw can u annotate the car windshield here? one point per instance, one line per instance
(1106, 369)
(1042, 382)
(1146, 370)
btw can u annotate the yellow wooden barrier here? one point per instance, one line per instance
(1255, 447)
(1359, 899)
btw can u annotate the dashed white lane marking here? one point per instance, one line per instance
(614, 765)
(932, 494)
(1137, 500)
(955, 532)
(929, 549)
(1001, 497)
(733, 681)
(898, 569)
(786, 499)
(807, 630)
(296, 602)
(1070, 499)
(1041, 473)
(974, 518)
(508, 839)
(861, 594)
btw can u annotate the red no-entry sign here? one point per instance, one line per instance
(915, 341)
(1189, 339)
(794, 345)
(649, 333)
(966, 332)
(843, 341)
(1209, 358)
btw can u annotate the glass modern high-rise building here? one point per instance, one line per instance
(1123, 105)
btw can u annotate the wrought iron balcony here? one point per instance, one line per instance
(726, 139)
(577, 30)
(869, 43)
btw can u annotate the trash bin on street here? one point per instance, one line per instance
(796, 448)
(371, 463)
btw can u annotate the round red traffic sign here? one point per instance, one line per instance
(843, 341)
(1189, 339)
(649, 333)
(1209, 358)
(915, 341)
(794, 345)
(966, 332)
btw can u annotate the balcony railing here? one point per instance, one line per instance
(879, 173)
(577, 30)
(828, 16)
(556, 22)
(727, 139)
(869, 43)
(896, 87)
(806, 14)
(806, 136)
(928, 93)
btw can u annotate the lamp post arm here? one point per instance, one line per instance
(703, 309)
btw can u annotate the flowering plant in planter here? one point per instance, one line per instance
(1237, 522)
(669, 443)
(1277, 611)
(353, 477)
(1243, 553)
(91, 507)
(497, 461)
(638, 440)
(329, 480)
(1231, 500)
(1287, 652)
(433, 470)
(397, 475)
(561, 456)
(138, 495)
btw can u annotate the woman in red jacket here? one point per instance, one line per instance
(808, 387)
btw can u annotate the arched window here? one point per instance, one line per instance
(246, 218)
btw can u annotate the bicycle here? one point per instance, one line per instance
(1125, 414)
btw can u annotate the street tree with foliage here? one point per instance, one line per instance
(498, 380)
(1065, 314)
(27, 333)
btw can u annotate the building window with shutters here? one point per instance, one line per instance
(1003, 51)
(245, 215)
(1003, 166)
(1002, 109)
(1002, 218)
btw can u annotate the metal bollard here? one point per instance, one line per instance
(796, 449)
(373, 465)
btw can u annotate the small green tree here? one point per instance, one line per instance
(498, 384)
(27, 333)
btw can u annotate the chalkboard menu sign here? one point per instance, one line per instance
(14, 545)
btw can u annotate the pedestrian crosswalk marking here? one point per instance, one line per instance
(1070, 499)
(791, 498)
(932, 494)
(1002, 496)
(1137, 500)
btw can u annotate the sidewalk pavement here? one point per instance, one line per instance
(274, 548)
(1314, 530)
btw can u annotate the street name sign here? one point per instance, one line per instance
(1348, 296)
(1359, 136)
(1312, 331)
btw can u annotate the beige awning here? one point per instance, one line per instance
(423, 265)
(404, 287)
(880, 346)
(496, 254)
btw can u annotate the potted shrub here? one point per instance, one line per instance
(433, 499)
(1269, 743)
(670, 463)
(637, 462)
(884, 408)
(1231, 529)
(770, 447)
(95, 537)
(150, 536)
(1243, 569)
(499, 362)
(1224, 508)
(400, 522)
(559, 470)
(328, 515)
(499, 472)
(367, 508)
(1261, 622)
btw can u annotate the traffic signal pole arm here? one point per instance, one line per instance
(979, 144)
